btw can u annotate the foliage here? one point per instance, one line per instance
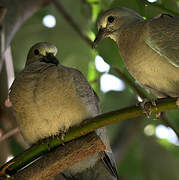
(143, 157)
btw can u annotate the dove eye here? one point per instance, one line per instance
(36, 52)
(110, 19)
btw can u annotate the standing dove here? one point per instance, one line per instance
(48, 98)
(149, 48)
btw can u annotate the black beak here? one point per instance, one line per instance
(50, 58)
(102, 33)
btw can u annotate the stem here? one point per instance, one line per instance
(9, 133)
(139, 90)
(157, 5)
(168, 123)
(71, 22)
(88, 126)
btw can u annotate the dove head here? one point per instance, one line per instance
(43, 51)
(112, 20)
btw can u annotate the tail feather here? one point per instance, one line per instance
(110, 165)
(98, 172)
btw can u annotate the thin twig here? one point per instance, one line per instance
(9, 66)
(164, 118)
(157, 5)
(139, 90)
(9, 133)
(14, 18)
(144, 95)
(3, 12)
(70, 20)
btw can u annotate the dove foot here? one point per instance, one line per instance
(44, 141)
(146, 107)
(62, 134)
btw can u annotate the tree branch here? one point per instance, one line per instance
(71, 22)
(61, 158)
(3, 12)
(157, 5)
(18, 11)
(140, 91)
(168, 123)
(9, 133)
(144, 95)
(88, 126)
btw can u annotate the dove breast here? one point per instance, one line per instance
(45, 100)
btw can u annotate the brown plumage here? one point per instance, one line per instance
(149, 48)
(48, 98)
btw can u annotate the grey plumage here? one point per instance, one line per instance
(48, 97)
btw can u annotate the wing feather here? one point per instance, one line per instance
(163, 37)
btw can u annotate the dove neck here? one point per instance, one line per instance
(125, 22)
(38, 66)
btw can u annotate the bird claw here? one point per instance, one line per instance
(62, 136)
(146, 107)
(157, 117)
(44, 141)
(47, 140)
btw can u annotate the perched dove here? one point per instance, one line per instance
(48, 98)
(149, 48)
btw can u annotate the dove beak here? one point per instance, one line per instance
(102, 33)
(50, 58)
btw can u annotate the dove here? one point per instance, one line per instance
(149, 48)
(48, 98)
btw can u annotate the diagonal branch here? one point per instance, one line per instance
(61, 158)
(168, 123)
(13, 16)
(71, 22)
(9, 133)
(144, 95)
(157, 5)
(88, 126)
(140, 91)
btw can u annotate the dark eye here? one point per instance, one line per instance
(36, 52)
(110, 19)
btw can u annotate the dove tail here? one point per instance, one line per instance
(97, 172)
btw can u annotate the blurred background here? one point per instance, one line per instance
(145, 149)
